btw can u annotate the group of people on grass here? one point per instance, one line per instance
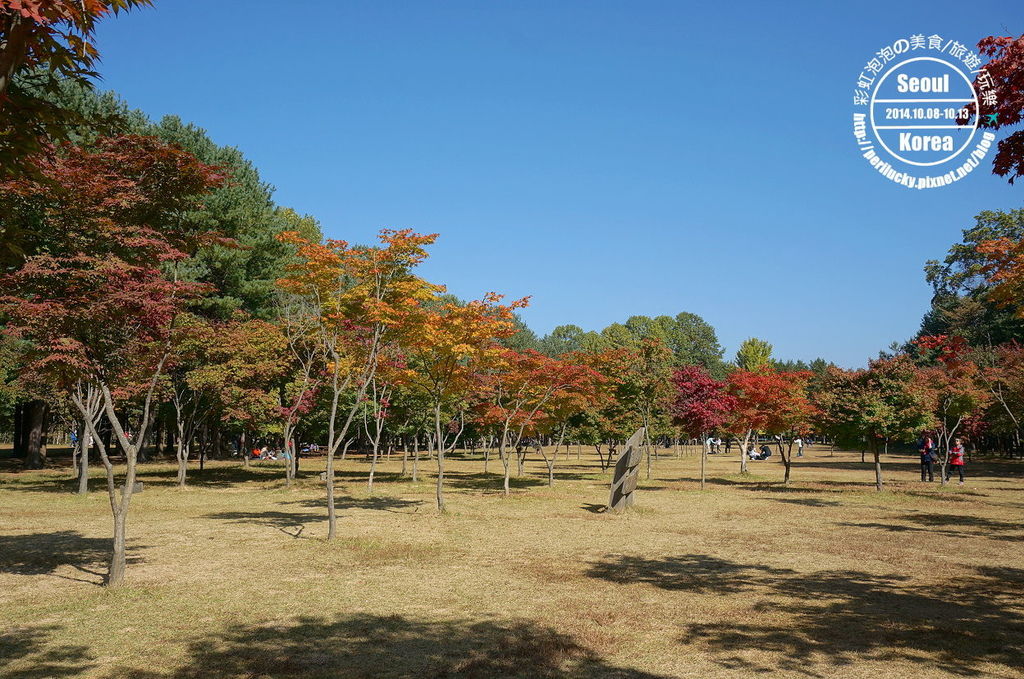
(268, 453)
(925, 445)
(714, 446)
(929, 456)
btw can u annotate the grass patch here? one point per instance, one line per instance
(232, 577)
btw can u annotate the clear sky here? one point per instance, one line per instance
(607, 158)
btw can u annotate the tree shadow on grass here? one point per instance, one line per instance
(692, 572)
(758, 486)
(154, 474)
(26, 653)
(381, 503)
(292, 523)
(492, 481)
(391, 646)
(962, 525)
(868, 466)
(846, 617)
(219, 476)
(831, 618)
(43, 482)
(289, 523)
(808, 501)
(45, 553)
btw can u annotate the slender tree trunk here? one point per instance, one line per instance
(505, 461)
(293, 461)
(332, 515)
(373, 464)
(703, 465)
(83, 468)
(119, 560)
(76, 450)
(405, 457)
(439, 444)
(743, 451)
(878, 468)
(648, 446)
(76, 453)
(292, 451)
(550, 462)
(181, 452)
(787, 459)
(416, 458)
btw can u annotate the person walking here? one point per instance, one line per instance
(956, 461)
(926, 447)
(799, 443)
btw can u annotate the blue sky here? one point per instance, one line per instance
(607, 158)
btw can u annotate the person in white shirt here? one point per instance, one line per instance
(799, 443)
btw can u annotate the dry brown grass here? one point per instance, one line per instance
(232, 577)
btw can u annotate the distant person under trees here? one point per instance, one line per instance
(926, 449)
(956, 461)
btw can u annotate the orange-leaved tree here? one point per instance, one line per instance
(359, 299)
(447, 346)
(521, 390)
(793, 413)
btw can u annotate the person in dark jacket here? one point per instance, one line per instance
(926, 448)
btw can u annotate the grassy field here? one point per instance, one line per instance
(232, 577)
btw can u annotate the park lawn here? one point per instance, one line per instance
(231, 577)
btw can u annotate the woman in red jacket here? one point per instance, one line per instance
(956, 461)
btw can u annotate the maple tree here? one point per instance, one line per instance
(1003, 375)
(581, 386)
(189, 341)
(1004, 72)
(524, 389)
(391, 374)
(884, 401)
(1004, 268)
(955, 388)
(44, 43)
(360, 298)
(760, 397)
(447, 346)
(98, 306)
(701, 406)
(794, 413)
(605, 420)
(244, 361)
(304, 376)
